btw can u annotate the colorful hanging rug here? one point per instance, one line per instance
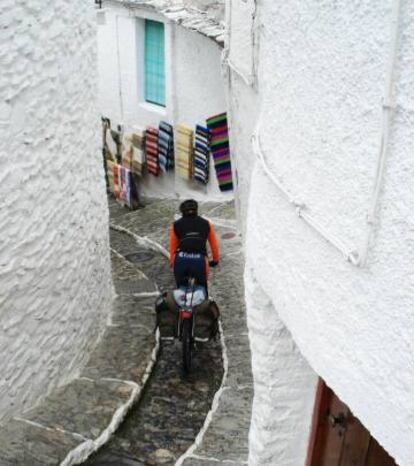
(151, 150)
(220, 149)
(138, 150)
(110, 167)
(166, 146)
(127, 151)
(184, 151)
(122, 184)
(201, 159)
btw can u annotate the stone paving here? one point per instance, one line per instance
(173, 421)
(162, 429)
(226, 438)
(172, 409)
(77, 418)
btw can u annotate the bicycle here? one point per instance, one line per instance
(188, 315)
(186, 321)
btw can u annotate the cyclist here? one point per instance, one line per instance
(188, 245)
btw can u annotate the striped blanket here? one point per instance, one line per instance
(220, 149)
(110, 171)
(151, 150)
(127, 150)
(138, 148)
(166, 146)
(184, 151)
(121, 183)
(201, 160)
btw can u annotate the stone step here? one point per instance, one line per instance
(26, 444)
(115, 460)
(128, 279)
(133, 311)
(84, 406)
(78, 414)
(124, 353)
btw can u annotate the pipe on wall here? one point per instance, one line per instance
(356, 257)
(387, 109)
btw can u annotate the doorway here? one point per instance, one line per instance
(338, 438)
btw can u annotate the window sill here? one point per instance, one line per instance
(158, 109)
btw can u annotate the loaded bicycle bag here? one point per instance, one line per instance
(167, 315)
(206, 320)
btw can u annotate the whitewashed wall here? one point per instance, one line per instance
(321, 81)
(55, 285)
(194, 85)
(284, 385)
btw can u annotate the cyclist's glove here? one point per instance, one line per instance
(213, 263)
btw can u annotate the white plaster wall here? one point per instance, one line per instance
(121, 62)
(191, 98)
(241, 19)
(321, 78)
(284, 385)
(55, 285)
(199, 94)
(244, 107)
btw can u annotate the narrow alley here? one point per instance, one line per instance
(169, 418)
(173, 408)
(206, 233)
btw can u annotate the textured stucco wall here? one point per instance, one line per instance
(321, 77)
(55, 285)
(284, 385)
(194, 86)
(244, 106)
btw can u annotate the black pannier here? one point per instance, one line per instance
(167, 315)
(206, 320)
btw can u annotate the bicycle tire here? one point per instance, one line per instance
(187, 345)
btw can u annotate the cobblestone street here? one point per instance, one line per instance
(131, 404)
(164, 424)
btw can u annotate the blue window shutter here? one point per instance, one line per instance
(154, 62)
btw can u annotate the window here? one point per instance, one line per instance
(154, 56)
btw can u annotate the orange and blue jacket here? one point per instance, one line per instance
(190, 234)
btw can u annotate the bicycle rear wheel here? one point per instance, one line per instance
(187, 344)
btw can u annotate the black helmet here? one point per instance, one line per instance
(189, 207)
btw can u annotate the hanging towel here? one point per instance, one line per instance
(116, 136)
(201, 160)
(124, 187)
(151, 150)
(127, 150)
(166, 146)
(117, 180)
(110, 145)
(138, 150)
(220, 149)
(138, 137)
(138, 160)
(110, 173)
(184, 151)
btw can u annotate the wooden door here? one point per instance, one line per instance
(338, 438)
